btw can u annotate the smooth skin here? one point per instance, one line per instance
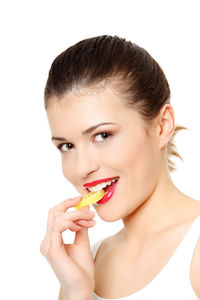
(155, 213)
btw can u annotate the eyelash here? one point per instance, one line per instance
(100, 133)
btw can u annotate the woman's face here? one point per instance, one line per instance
(121, 149)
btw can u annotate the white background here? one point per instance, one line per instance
(33, 33)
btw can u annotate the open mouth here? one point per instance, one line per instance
(108, 187)
(109, 192)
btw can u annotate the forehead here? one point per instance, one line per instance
(95, 95)
(88, 107)
(90, 100)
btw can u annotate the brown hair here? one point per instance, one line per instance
(132, 71)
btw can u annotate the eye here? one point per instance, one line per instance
(65, 147)
(61, 148)
(105, 136)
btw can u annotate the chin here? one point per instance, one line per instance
(109, 216)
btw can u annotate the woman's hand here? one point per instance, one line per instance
(72, 263)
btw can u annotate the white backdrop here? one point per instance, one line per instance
(33, 33)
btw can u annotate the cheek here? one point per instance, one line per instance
(143, 164)
(143, 169)
(136, 155)
(128, 151)
(67, 165)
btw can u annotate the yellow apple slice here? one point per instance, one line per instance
(90, 198)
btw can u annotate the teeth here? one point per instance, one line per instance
(100, 186)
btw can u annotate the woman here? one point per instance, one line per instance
(108, 106)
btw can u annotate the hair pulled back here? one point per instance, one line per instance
(129, 68)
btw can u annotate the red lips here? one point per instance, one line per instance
(93, 183)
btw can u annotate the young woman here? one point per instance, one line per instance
(108, 106)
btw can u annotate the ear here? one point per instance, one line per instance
(166, 124)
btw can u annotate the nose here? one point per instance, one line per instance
(86, 163)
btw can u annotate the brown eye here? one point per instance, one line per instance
(103, 136)
(61, 147)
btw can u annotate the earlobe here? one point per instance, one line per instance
(167, 124)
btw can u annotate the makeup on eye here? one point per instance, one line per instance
(107, 133)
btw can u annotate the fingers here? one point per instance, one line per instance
(66, 220)
(63, 206)
(59, 220)
(63, 222)
(88, 223)
(82, 237)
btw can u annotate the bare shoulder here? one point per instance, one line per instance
(195, 269)
(195, 264)
(110, 242)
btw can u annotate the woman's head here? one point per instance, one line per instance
(107, 79)
(112, 61)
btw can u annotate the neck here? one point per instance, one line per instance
(156, 213)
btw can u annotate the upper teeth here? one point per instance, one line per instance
(100, 186)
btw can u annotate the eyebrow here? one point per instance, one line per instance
(86, 132)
